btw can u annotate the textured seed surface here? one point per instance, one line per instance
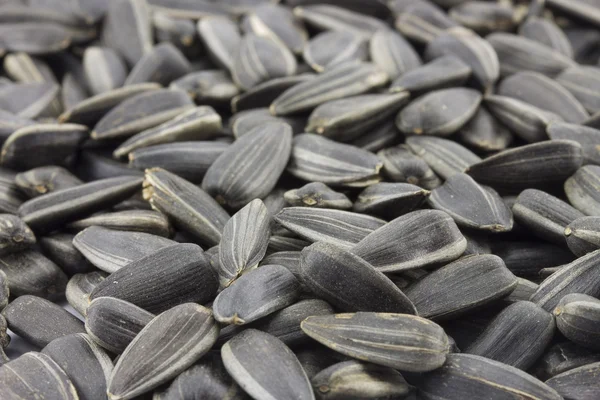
(42, 180)
(577, 383)
(581, 189)
(317, 195)
(445, 71)
(445, 157)
(578, 318)
(390, 200)
(583, 235)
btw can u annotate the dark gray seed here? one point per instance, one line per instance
(518, 336)
(189, 207)
(251, 166)
(563, 357)
(190, 10)
(439, 113)
(212, 87)
(466, 376)
(443, 72)
(445, 157)
(35, 375)
(349, 118)
(221, 38)
(130, 220)
(341, 81)
(348, 282)
(284, 243)
(256, 294)
(15, 235)
(36, 38)
(10, 123)
(317, 195)
(142, 111)
(581, 10)
(264, 94)
(28, 100)
(583, 83)
(580, 276)
(79, 288)
(178, 338)
(94, 165)
(380, 137)
(17, 11)
(163, 64)
(401, 165)
(528, 258)
(585, 42)
(517, 53)
(582, 189)
(207, 379)
(315, 358)
(128, 29)
(199, 123)
(114, 323)
(318, 159)
(279, 376)
(277, 23)
(189, 160)
(40, 321)
(91, 110)
(578, 319)
(541, 165)
(545, 215)
(46, 213)
(378, 8)
(474, 51)
(104, 69)
(332, 48)
(393, 54)
(51, 144)
(43, 180)
(583, 235)
(341, 228)
(546, 32)
(176, 274)
(400, 341)
(350, 379)
(245, 121)
(522, 292)
(472, 205)
(422, 22)
(244, 242)
(288, 259)
(86, 364)
(390, 200)
(29, 272)
(578, 383)
(484, 17)
(485, 133)
(10, 195)
(329, 17)
(414, 240)
(179, 32)
(442, 294)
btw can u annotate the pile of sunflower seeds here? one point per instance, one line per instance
(300, 200)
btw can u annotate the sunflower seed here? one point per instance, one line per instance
(546, 32)
(349, 118)
(113, 323)
(184, 334)
(422, 21)
(40, 321)
(36, 375)
(29, 100)
(319, 54)
(472, 205)
(188, 160)
(79, 288)
(485, 133)
(163, 64)
(328, 17)
(545, 215)
(401, 165)
(18, 12)
(583, 83)
(179, 32)
(35, 38)
(343, 80)
(578, 319)
(142, 111)
(43, 180)
(445, 157)
(29, 272)
(212, 87)
(251, 166)
(443, 72)
(484, 17)
(178, 274)
(245, 121)
(199, 123)
(288, 259)
(400, 341)
(489, 280)
(131, 220)
(577, 383)
(262, 95)
(563, 357)
(317, 195)
(380, 137)
(528, 258)
(582, 189)
(541, 165)
(105, 70)
(390, 200)
(393, 54)
(15, 235)
(580, 276)
(583, 235)
(283, 243)
(583, 10)
(221, 38)
(465, 375)
(4, 294)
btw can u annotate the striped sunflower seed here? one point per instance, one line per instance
(485, 133)
(582, 189)
(330, 17)
(221, 38)
(104, 68)
(472, 205)
(390, 200)
(422, 22)
(113, 323)
(29, 272)
(40, 321)
(36, 38)
(349, 283)
(199, 123)
(583, 235)
(445, 157)
(331, 48)
(22, 67)
(79, 288)
(578, 319)
(251, 166)
(163, 64)
(279, 376)
(578, 383)
(528, 258)
(130, 220)
(483, 17)
(443, 72)
(188, 207)
(401, 165)
(548, 33)
(288, 259)
(400, 341)
(488, 278)
(28, 100)
(583, 83)
(264, 94)
(245, 121)
(86, 364)
(393, 54)
(578, 9)
(43, 180)
(15, 235)
(414, 240)
(588, 138)
(563, 357)
(318, 159)
(317, 195)
(179, 337)
(212, 87)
